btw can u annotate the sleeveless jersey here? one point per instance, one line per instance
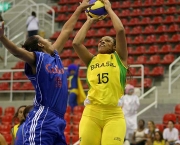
(106, 76)
(50, 82)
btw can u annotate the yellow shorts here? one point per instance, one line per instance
(102, 126)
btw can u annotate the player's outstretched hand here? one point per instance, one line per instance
(1, 28)
(85, 4)
(95, 19)
(107, 4)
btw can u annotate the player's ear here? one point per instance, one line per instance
(40, 44)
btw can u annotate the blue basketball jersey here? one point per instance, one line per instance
(50, 82)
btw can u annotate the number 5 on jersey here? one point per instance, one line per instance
(103, 78)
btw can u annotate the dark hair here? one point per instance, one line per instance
(160, 134)
(16, 114)
(26, 111)
(33, 13)
(31, 44)
(142, 121)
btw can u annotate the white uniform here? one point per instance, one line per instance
(130, 106)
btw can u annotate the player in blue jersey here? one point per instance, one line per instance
(45, 123)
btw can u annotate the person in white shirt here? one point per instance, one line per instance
(32, 25)
(130, 106)
(170, 134)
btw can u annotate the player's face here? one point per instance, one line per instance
(106, 45)
(20, 113)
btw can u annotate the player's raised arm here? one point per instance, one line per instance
(15, 50)
(69, 26)
(80, 49)
(121, 45)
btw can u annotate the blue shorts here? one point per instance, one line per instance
(44, 127)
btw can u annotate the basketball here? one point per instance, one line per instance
(97, 9)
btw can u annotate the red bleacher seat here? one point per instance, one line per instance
(175, 38)
(150, 39)
(75, 129)
(148, 11)
(170, 2)
(136, 12)
(55, 35)
(145, 20)
(68, 139)
(9, 111)
(76, 119)
(147, 82)
(6, 76)
(67, 129)
(169, 19)
(61, 17)
(16, 86)
(138, 39)
(148, 29)
(146, 71)
(134, 21)
(130, 60)
(78, 110)
(140, 50)
(161, 28)
(173, 28)
(135, 30)
(148, 3)
(19, 65)
(157, 71)
(177, 109)
(82, 16)
(141, 60)
(68, 110)
(126, 4)
(115, 5)
(112, 32)
(137, 4)
(4, 86)
(168, 117)
(63, 9)
(157, 19)
(93, 51)
(67, 117)
(75, 138)
(66, 62)
(176, 49)
(165, 49)
(82, 73)
(91, 33)
(7, 119)
(101, 32)
(27, 86)
(133, 82)
(171, 10)
(79, 62)
(19, 76)
(90, 42)
(5, 129)
(163, 38)
(177, 126)
(160, 127)
(158, 2)
(152, 49)
(154, 59)
(8, 138)
(159, 11)
(167, 59)
(132, 71)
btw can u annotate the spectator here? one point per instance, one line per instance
(2, 140)
(19, 115)
(158, 139)
(32, 24)
(139, 135)
(76, 93)
(150, 131)
(170, 134)
(19, 135)
(130, 106)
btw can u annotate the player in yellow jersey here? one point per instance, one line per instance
(103, 122)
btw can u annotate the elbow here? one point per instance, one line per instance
(120, 30)
(76, 44)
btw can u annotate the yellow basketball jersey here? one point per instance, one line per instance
(106, 76)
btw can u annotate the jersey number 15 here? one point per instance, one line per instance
(103, 78)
